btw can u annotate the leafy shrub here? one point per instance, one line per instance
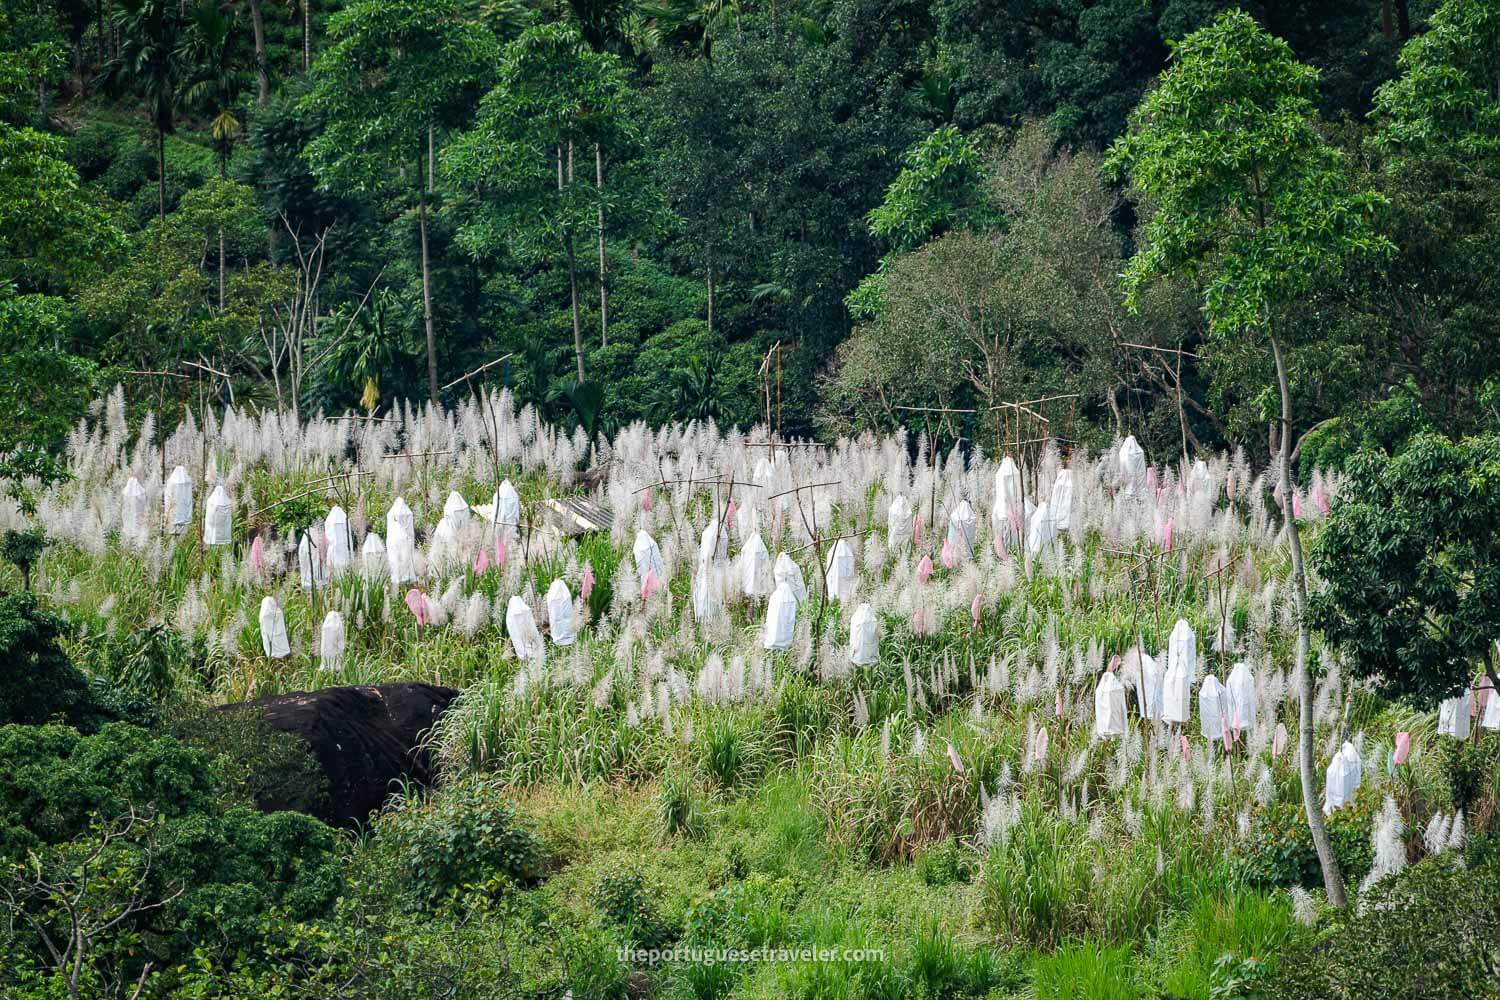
(463, 836)
(624, 898)
(1281, 852)
(1432, 930)
(255, 762)
(944, 863)
(39, 682)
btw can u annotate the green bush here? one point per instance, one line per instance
(624, 898)
(254, 762)
(1281, 853)
(1432, 930)
(38, 682)
(467, 835)
(732, 750)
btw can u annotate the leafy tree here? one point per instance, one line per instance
(45, 393)
(152, 64)
(39, 682)
(1410, 560)
(555, 101)
(1249, 199)
(428, 55)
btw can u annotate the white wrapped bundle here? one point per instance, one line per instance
(444, 548)
(789, 573)
(456, 510)
(1132, 467)
(1176, 692)
(177, 501)
(331, 643)
(1243, 702)
(755, 567)
(713, 545)
(1491, 716)
(217, 517)
(560, 614)
(648, 557)
(1182, 649)
(507, 508)
(962, 527)
(311, 569)
(706, 606)
(841, 571)
(1152, 674)
(273, 629)
(340, 541)
(1212, 703)
(1453, 715)
(763, 470)
(133, 527)
(400, 543)
(1342, 779)
(898, 521)
(1202, 489)
(524, 635)
(1109, 707)
(1008, 514)
(372, 557)
(1062, 502)
(864, 637)
(1043, 530)
(781, 618)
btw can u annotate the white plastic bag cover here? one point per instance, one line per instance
(781, 618)
(788, 572)
(1454, 714)
(524, 635)
(400, 543)
(217, 518)
(133, 527)
(456, 511)
(864, 637)
(962, 527)
(713, 545)
(1342, 779)
(1062, 501)
(273, 629)
(705, 595)
(177, 501)
(1109, 706)
(340, 541)
(898, 521)
(1043, 531)
(507, 506)
(444, 548)
(648, 557)
(1176, 693)
(840, 571)
(1153, 676)
(1182, 648)
(755, 568)
(331, 644)
(1212, 703)
(560, 614)
(1491, 717)
(1132, 467)
(372, 556)
(1243, 702)
(311, 569)
(1008, 514)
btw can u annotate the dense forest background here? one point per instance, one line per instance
(810, 213)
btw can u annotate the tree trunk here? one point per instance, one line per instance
(1333, 879)
(258, 23)
(577, 327)
(161, 174)
(603, 253)
(432, 382)
(306, 35)
(709, 276)
(221, 269)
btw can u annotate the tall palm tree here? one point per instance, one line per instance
(150, 63)
(215, 85)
